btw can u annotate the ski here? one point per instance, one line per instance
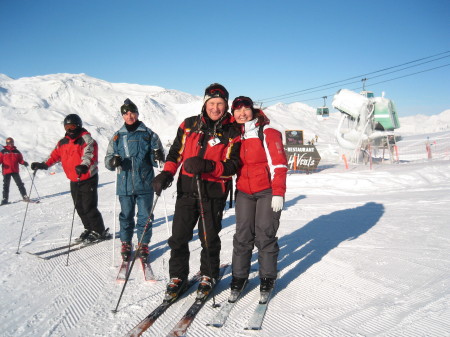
(185, 321)
(43, 252)
(256, 320)
(32, 201)
(123, 271)
(73, 248)
(125, 267)
(220, 317)
(148, 271)
(148, 321)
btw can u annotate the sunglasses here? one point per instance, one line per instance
(70, 127)
(242, 102)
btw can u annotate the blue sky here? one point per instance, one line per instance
(260, 49)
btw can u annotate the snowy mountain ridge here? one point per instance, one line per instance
(40, 103)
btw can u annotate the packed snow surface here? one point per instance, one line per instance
(363, 252)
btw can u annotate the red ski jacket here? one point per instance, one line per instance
(83, 150)
(10, 158)
(219, 142)
(263, 161)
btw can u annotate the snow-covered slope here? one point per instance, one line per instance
(363, 253)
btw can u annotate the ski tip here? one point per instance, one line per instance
(151, 281)
(252, 328)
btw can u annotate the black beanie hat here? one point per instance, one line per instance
(128, 105)
(215, 90)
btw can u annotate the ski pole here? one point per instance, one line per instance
(160, 168)
(202, 217)
(39, 197)
(115, 217)
(136, 253)
(26, 210)
(165, 207)
(73, 218)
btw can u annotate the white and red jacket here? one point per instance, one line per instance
(263, 162)
(82, 150)
(10, 158)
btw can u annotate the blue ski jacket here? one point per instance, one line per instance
(136, 150)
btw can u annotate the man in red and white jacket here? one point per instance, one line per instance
(78, 154)
(206, 147)
(10, 158)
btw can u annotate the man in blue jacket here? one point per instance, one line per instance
(134, 150)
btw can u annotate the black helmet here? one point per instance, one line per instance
(73, 119)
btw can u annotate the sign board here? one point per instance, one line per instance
(294, 137)
(302, 157)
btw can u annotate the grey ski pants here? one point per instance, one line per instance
(256, 224)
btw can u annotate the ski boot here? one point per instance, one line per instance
(83, 236)
(205, 286)
(174, 287)
(267, 284)
(144, 253)
(126, 251)
(237, 285)
(93, 237)
(265, 289)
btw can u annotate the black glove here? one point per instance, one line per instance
(39, 166)
(115, 161)
(197, 165)
(81, 169)
(158, 154)
(25, 164)
(161, 182)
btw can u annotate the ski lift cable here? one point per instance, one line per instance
(396, 71)
(372, 84)
(347, 83)
(351, 78)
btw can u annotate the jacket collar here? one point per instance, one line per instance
(141, 127)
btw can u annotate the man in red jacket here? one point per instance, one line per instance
(10, 158)
(78, 154)
(206, 147)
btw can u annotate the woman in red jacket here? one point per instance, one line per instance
(261, 186)
(10, 158)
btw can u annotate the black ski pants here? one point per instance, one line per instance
(187, 213)
(7, 182)
(85, 198)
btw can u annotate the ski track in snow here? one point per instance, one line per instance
(357, 259)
